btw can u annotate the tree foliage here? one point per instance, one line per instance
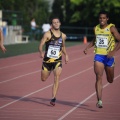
(88, 10)
(71, 12)
(28, 8)
(85, 12)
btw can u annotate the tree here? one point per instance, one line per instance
(85, 12)
(28, 9)
(88, 10)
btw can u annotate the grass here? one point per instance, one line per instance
(31, 47)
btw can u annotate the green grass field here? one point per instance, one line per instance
(31, 47)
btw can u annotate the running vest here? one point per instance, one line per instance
(53, 49)
(105, 41)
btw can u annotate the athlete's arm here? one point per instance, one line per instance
(116, 34)
(64, 48)
(45, 37)
(92, 43)
(1, 42)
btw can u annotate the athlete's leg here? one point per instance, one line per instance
(57, 72)
(109, 73)
(46, 70)
(98, 69)
(44, 74)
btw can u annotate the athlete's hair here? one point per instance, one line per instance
(51, 20)
(104, 12)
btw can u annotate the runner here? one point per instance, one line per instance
(105, 49)
(54, 41)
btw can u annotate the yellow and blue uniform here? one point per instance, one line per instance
(53, 53)
(104, 43)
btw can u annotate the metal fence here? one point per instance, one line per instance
(73, 33)
(78, 33)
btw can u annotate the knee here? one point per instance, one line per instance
(98, 77)
(43, 79)
(110, 80)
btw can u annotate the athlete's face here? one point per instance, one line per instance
(103, 19)
(56, 24)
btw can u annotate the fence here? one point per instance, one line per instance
(73, 33)
(77, 33)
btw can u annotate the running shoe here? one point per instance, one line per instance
(52, 102)
(99, 104)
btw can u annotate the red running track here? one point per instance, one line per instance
(24, 97)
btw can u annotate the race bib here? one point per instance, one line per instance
(102, 41)
(53, 51)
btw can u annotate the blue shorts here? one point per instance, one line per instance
(105, 60)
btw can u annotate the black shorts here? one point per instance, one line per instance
(51, 66)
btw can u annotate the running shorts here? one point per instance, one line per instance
(51, 66)
(110, 62)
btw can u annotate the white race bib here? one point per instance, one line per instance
(102, 41)
(53, 51)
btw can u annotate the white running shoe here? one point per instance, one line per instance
(99, 104)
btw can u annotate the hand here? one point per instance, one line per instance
(42, 55)
(85, 51)
(66, 59)
(110, 54)
(3, 48)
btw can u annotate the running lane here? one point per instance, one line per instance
(24, 97)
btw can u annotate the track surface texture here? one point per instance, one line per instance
(23, 96)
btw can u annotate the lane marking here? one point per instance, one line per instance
(35, 61)
(31, 61)
(4, 81)
(43, 88)
(19, 64)
(19, 76)
(40, 70)
(80, 103)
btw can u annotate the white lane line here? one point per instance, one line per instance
(74, 108)
(19, 76)
(19, 64)
(72, 52)
(44, 88)
(38, 60)
(4, 81)
(40, 70)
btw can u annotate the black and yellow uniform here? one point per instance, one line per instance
(53, 53)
